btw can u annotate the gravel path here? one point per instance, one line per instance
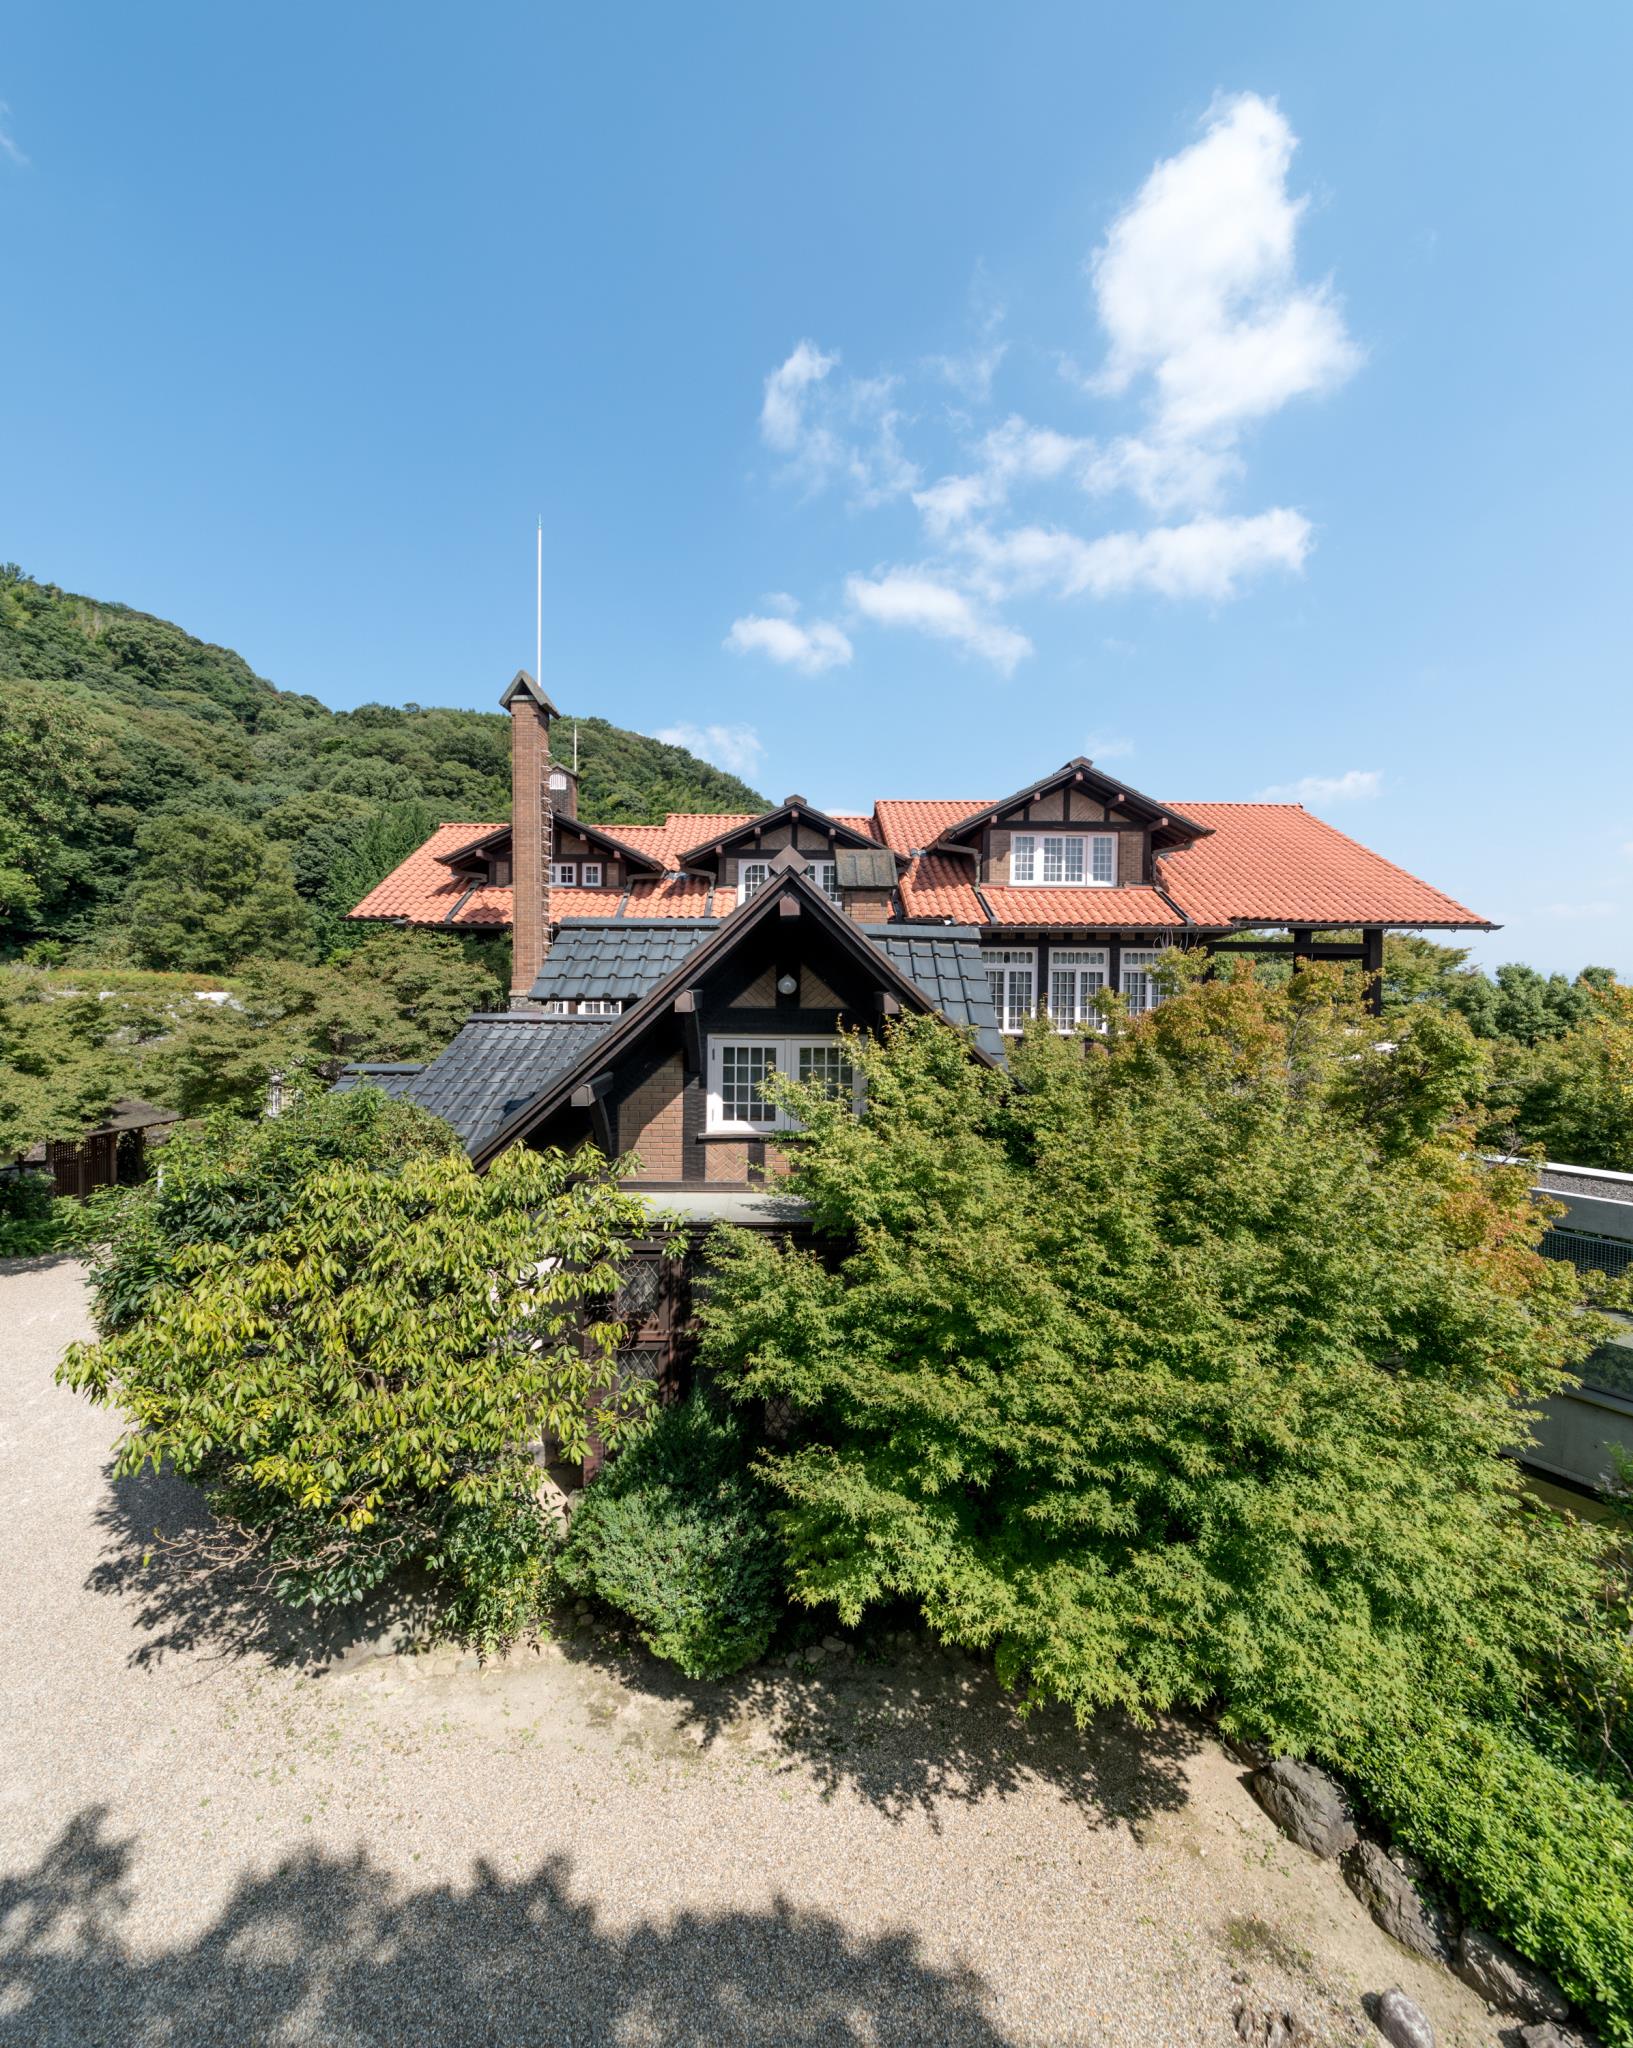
(216, 1829)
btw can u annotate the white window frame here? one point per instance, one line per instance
(825, 873)
(752, 876)
(785, 1060)
(1088, 969)
(589, 874)
(600, 1006)
(1032, 854)
(564, 874)
(1012, 975)
(1136, 963)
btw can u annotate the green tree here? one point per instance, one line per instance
(1571, 1096)
(365, 1382)
(400, 996)
(66, 1056)
(46, 778)
(1182, 1373)
(209, 893)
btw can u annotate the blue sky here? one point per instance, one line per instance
(914, 396)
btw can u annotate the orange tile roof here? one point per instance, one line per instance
(1258, 864)
(422, 890)
(906, 822)
(1108, 910)
(937, 885)
(1275, 863)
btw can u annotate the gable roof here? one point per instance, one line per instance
(1079, 769)
(619, 1033)
(1275, 864)
(597, 835)
(858, 831)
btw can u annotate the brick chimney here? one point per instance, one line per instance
(530, 836)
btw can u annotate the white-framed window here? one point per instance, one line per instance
(564, 874)
(558, 1006)
(740, 1067)
(1076, 974)
(1136, 980)
(752, 876)
(1063, 860)
(589, 874)
(1012, 975)
(599, 1006)
(825, 873)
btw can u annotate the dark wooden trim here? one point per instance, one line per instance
(694, 1114)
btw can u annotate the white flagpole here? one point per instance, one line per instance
(538, 613)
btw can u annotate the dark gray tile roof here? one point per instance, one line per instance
(616, 960)
(944, 961)
(501, 1060)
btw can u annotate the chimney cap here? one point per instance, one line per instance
(523, 685)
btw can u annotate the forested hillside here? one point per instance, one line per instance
(121, 735)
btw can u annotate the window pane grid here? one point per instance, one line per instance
(1063, 860)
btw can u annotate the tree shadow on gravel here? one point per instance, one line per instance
(917, 1729)
(156, 1528)
(330, 1949)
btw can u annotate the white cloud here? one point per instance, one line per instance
(1207, 329)
(1108, 750)
(782, 413)
(1196, 287)
(736, 748)
(810, 648)
(906, 597)
(1355, 785)
(833, 429)
(1206, 558)
(8, 144)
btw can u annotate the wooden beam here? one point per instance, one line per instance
(689, 1009)
(590, 1092)
(1318, 949)
(889, 1005)
(1372, 965)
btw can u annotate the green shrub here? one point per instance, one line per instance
(677, 1534)
(1541, 1855)
(494, 1566)
(33, 1220)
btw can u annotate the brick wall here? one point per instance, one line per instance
(649, 1122)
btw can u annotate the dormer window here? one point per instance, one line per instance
(564, 874)
(590, 874)
(752, 876)
(1063, 860)
(825, 873)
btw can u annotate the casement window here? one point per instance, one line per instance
(1063, 860)
(1075, 977)
(589, 874)
(557, 1007)
(739, 1069)
(564, 874)
(599, 1006)
(825, 873)
(1137, 982)
(752, 876)
(1012, 975)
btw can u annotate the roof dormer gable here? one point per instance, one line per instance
(794, 824)
(1076, 795)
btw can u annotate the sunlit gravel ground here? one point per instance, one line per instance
(218, 1828)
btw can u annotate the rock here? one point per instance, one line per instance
(835, 1645)
(1401, 2022)
(1391, 1889)
(1307, 1805)
(1548, 2034)
(1508, 1981)
(1263, 2027)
